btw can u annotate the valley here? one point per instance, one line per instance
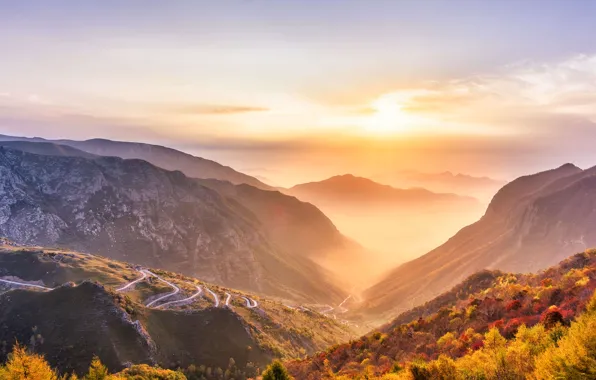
(295, 190)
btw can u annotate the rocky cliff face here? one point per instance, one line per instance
(132, 210)
(532, 223)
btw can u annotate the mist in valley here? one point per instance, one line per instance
(391, 225)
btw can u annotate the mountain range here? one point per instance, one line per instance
(445, 182)
(132, 210)
(226, 269)
(349, 190)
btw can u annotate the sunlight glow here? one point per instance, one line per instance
(388, 117)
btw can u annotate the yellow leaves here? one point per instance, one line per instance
(24, 365)
(574, 357)
(591, 305)
(471, 311)
(583, 281)
(97, 371)
(493, 340)
(445, 340)
(144, 371)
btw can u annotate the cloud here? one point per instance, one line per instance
(216, 109)
(516, 98)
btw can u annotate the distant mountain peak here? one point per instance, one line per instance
(351, 188)
(568, 166)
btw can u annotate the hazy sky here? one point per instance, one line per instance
(299, 90)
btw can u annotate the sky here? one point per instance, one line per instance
(293, 91)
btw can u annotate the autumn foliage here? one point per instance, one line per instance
(501, 331)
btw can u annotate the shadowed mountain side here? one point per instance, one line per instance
(302, 229)
(211, 336)
(70, 325)
(533, 222)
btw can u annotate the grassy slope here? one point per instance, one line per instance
(192, 333)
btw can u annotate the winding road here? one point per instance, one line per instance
(329, 308)
(340, 306)
(195, 295)
(143, 276)
(23, 284)
(176, 289)
(215, 297)
(250, 303)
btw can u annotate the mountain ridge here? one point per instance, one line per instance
(348, 187)
(529, 225)
(164, 157)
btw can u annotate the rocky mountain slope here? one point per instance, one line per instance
(70, 306)
(531, 223)
(132, 210)
(166, 158)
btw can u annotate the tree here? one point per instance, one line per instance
(276, 371)
(97, 371)
(552, 317)
(24, 365)
(144, 371)
(574, 355)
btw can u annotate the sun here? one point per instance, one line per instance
(388, 117)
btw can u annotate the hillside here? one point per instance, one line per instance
(132, 210)
(531, 223)
(302, 228)
(166, 158)
(461, 322)
(70, 306)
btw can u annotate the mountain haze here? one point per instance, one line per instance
(391, 222)
(447, 182)
(346, 190)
